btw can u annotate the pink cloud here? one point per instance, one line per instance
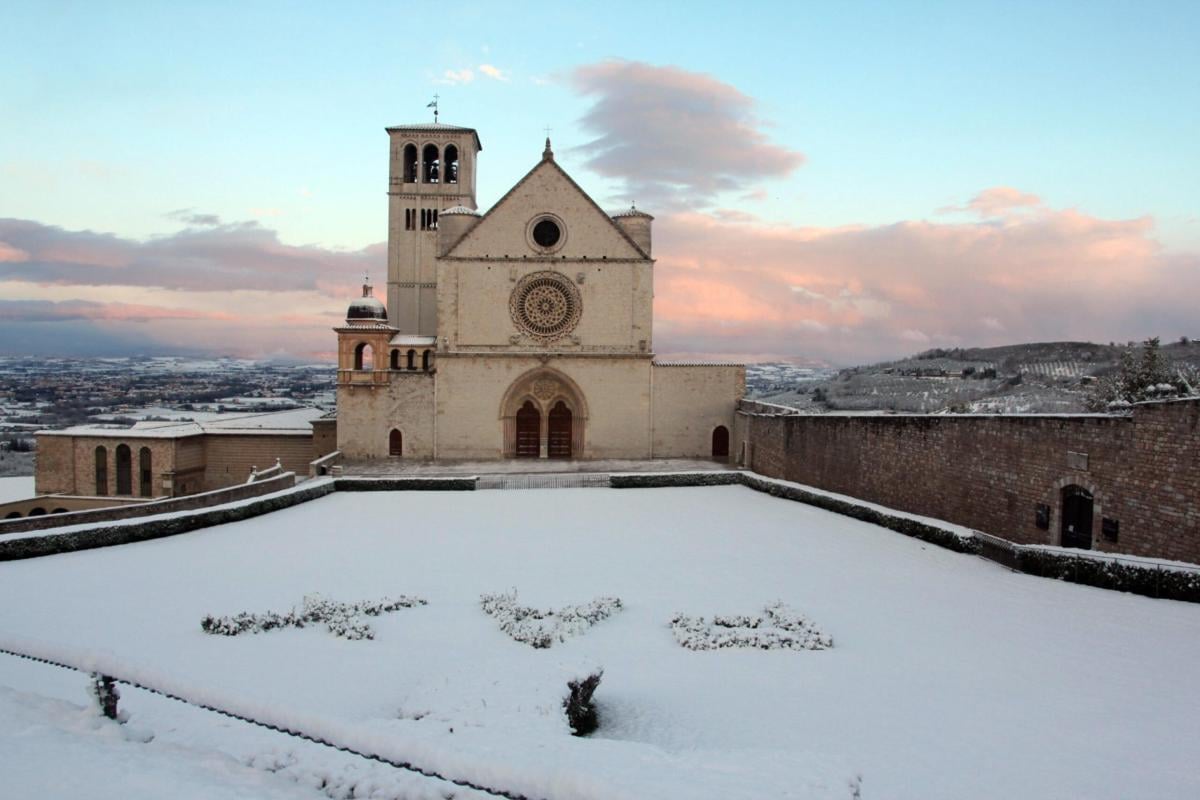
(11, 255)
(863, 293)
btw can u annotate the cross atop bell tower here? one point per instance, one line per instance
(432, 168)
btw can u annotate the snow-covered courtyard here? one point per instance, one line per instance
(948, 676)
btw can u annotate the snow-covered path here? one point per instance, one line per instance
(949, 676)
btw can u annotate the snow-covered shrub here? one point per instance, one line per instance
(780, 627)
(581, 711)
(541, 628)
(341, 619)
(103, 690)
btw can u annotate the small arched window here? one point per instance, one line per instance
(395, 362)
(432, 165)
(364, 356)
(101, 471)
(412, 359)
(410, 163)
(425, 361)
(124, 470)
(395, 443)
(451, 165)
(145, 473)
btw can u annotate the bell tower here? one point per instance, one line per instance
(432, 168)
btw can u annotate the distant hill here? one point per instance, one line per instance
(1038, 377)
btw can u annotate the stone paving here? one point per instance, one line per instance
(528, 466)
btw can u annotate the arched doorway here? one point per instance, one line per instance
(529, 431)
(124, 470)
(543, 414)
(720, 443)
(396, 443)
(558, 443)
(1077, 504)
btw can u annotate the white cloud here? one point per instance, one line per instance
(492, 72)
(456, 76)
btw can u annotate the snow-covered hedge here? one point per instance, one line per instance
(1146, 579)
(866, 512)
(413, 483)
(779, 627)
(342, 619)
(115, 533)
(541, 628)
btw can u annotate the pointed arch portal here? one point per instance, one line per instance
(543, 415)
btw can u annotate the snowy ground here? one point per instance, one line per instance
(16, 488)
(949, 676)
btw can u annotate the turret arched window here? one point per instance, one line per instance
(364, 356)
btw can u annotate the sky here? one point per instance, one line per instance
(837, 182)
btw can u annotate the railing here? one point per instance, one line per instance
(324, 465)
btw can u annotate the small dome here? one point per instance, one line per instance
(632, 211)
(459, 210)
(366, 307)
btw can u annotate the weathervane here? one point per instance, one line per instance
(434, 106)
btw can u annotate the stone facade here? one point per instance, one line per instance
(539, 342)
(1006, 475)
(172, 459)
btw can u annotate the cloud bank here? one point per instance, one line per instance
(674, 138)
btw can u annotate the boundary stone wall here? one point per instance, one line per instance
(156, 528)
(188, 502)
(991, 473)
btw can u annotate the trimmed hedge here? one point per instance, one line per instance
(405, 484)
(909, 527)
(1145, 580)
(110, 535)
(650, 480)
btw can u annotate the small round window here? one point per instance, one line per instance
(546, 233)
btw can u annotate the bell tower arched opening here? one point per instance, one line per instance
(433, 166)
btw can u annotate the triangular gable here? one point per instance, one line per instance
(547, 188)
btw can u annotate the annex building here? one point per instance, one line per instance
(523, 332)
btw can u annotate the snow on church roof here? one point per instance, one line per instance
(293, 422)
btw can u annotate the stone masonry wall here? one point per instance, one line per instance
(991, 472)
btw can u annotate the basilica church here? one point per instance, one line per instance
(522, 332)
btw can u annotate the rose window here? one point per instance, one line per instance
(545, 306)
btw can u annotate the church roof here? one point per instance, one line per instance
(436, 127)
(459, 210)
(548, 159)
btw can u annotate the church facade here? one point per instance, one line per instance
(525, 332)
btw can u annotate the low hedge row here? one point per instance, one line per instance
(405, 484)
(905, 525)
(109, 535)
(1145, 580)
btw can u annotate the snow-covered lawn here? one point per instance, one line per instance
(19, 488)
(948, 677)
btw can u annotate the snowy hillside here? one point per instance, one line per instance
(932, 674)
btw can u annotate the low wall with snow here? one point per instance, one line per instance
(128, 531)
(995, 473)
(1144, 576)
(242, 491)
